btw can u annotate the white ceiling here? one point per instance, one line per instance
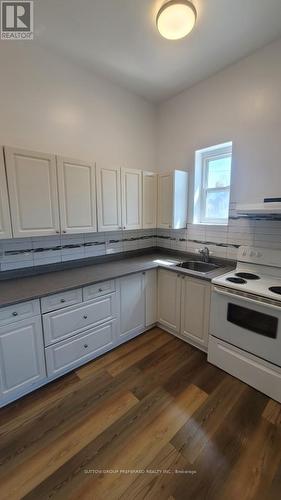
(119, 39)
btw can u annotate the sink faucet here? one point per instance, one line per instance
(205, 252)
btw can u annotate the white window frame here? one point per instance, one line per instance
(201, 190)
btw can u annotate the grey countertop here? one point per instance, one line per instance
(21, 289)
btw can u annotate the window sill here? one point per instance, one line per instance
(224, 224)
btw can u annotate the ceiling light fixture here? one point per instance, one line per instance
(176, 19)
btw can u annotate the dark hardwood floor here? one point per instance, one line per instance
(149, 420)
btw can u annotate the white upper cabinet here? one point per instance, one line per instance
(77, 196)
(109, 199)
(131, 182)
(32, 184)
(165, 187)
(172, 200)
(149, 200)
(5, 220)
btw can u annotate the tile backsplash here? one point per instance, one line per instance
(223, 241)
(26, 252)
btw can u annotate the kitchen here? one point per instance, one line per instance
(140, 239)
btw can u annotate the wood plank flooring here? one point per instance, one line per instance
(149, 420)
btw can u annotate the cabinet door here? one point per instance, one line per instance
(109, 199)
(77, 196)
(195, 310)
(5, 220)
(150, 297)
(165, 200)
(132, 306)
(131, 181)
(32, 184)
(149, 200)
(22, 356)
(169, 298)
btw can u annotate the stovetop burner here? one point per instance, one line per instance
(248, 276)
(238, 281)
(275, 289)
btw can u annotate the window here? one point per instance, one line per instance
(212, 184)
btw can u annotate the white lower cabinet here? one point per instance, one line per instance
(195, 311)
(184, 306)
(103, 316)
(22, 362)
(169, 300)
(150, 284)
(132, 306)
(66, 355)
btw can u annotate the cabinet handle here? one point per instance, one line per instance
(64, 232)
(86, 345)
(143, 273)
(100, 289)
(15, 313)
(62, 300)
(85, 317)
(57, 232)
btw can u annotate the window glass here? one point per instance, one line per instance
(219, 172)
(217, 203)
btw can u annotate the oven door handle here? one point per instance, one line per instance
(247, 299)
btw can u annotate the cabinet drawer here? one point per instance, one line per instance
(67, 355)
(60, 300)
(18, 312)
(92, 291)
(65, 323)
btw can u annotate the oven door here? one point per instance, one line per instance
(247, 323)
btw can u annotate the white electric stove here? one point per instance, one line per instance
(245, 322)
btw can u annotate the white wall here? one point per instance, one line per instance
(49, 104)
(241, 103)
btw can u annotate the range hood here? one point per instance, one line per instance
(269, 207)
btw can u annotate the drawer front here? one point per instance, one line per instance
(18, 312)
(60, 300)
(99, 289)
(67, 355)
(65, 323)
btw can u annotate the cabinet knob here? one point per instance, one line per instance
(86, 345)
(57, 232)
(15, 313)
(85, 317)
(143, 273)
(64, 232)
(62, 300)
(100, 289)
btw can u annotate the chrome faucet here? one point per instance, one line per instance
(205, 252)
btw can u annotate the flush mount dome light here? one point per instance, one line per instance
(176, 19)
